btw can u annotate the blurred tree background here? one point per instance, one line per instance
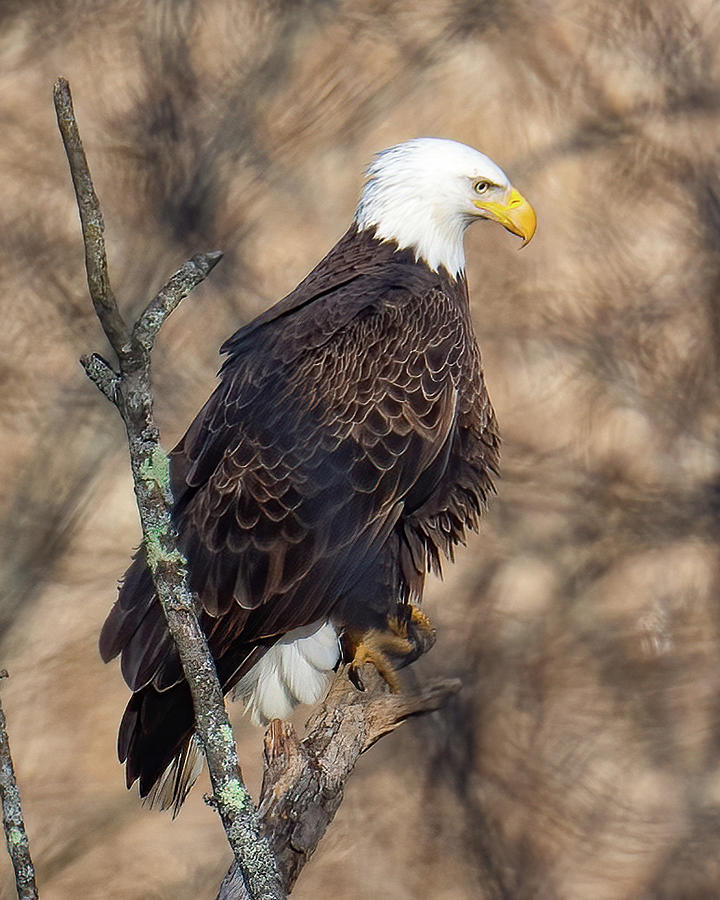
(581, 759)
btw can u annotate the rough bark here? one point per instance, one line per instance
(15, 833)
(304, 780)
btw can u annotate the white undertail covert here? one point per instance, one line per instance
(297, 669)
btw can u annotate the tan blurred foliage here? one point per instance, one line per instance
(581, 759)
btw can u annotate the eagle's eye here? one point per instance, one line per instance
(481, 186)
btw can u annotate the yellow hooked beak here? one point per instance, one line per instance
(515, 214)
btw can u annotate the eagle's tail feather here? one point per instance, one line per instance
(157, 739)
(156, 742)
(173, 786)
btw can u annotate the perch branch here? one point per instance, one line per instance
(304, 780)
(15, 834)
(130, 391)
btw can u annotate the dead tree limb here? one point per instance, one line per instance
(304, 780)
(15, 834)
(129, 390)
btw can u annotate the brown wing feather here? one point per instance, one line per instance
(438, 524)
(280, 518)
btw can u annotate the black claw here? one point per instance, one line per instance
(354, 676)
(420, 636)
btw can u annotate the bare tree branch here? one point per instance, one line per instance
(93, 227)
(304, 781)
(15, 833)
(130, 391)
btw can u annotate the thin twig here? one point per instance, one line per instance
(15, 833)
(130, 392)
(93, 227)
(304, 781)
(166, 300)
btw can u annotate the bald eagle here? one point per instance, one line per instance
(348, 446)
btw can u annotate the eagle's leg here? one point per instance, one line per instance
(409, 634)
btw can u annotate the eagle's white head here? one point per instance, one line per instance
(424, 193)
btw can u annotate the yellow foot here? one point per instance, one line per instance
(374, 647)
(409, 634)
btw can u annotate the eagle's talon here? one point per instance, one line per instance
(356, 678)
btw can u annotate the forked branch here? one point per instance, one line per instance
(129, 390)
